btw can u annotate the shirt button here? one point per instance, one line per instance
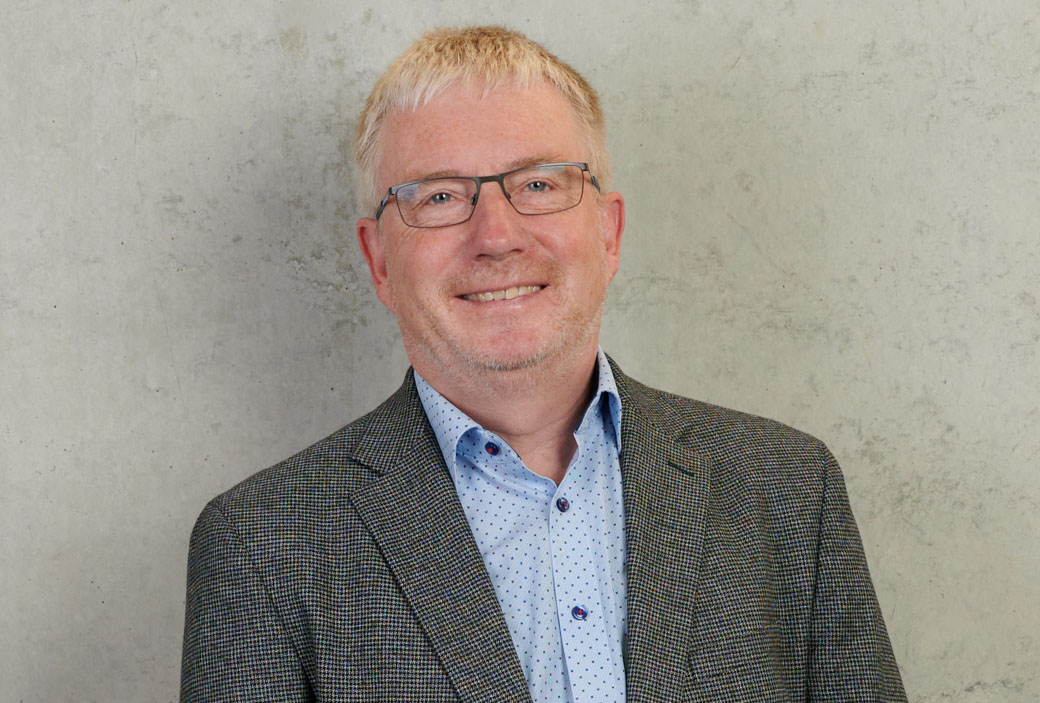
(563, 505)
(491, 448)
(579, 613)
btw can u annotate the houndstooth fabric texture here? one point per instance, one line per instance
(348, 572)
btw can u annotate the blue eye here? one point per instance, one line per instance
(440, 198)
(537, 186)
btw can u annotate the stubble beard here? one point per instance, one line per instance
(475, 367)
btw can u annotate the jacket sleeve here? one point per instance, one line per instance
(851, 658)
(235, 645)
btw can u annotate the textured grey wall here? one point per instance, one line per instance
(834, 220)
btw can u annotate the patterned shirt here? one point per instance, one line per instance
(555, 554)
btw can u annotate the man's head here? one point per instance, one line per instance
(473, 105)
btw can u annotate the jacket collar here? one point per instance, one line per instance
(413, 513)
(666, 488)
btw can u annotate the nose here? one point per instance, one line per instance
(496, 228)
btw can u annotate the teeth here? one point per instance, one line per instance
(505, 294)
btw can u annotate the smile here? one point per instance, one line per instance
(504, 294)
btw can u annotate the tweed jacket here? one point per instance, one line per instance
(348, 572)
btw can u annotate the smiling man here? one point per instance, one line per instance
(498, 284)
(521, 521)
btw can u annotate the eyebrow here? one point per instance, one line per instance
(510, 166)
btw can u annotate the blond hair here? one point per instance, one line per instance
(486, 56)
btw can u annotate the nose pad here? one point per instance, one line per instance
(501, 187)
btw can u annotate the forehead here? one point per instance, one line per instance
(467, 130)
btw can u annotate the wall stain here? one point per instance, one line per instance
(293, 41)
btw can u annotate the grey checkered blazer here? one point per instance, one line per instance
(348, 572)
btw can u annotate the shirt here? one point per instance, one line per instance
(555, 554)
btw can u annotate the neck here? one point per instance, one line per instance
(534, 409)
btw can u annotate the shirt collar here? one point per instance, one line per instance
(449, 423)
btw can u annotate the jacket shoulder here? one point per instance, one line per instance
(312, 481)
(715, 428)
(746, 452)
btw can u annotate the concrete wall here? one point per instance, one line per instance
(834, 220)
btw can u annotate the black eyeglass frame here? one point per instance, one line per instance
(480, 181)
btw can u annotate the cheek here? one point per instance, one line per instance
(412, 276)
(398, 278)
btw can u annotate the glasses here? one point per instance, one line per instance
(533, 190)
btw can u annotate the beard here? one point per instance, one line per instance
(561, 338)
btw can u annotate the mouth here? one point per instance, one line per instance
(503, 294)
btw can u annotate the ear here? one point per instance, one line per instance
(612, 225)
(373, 247)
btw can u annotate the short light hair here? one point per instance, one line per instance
(486, 56)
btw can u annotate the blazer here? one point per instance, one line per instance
(348, 572)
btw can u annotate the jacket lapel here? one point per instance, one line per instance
(666, 493)
(414, 515)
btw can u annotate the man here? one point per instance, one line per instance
(520, 520)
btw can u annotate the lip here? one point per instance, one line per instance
(503, 288)
(484, 288)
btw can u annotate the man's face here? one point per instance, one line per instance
(429, 277)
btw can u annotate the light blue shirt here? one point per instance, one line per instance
(555, 554)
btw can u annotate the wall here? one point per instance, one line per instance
(834, 220)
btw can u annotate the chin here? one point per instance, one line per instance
(463, 360)
(508, 360)
(514, 357)
(515, 363)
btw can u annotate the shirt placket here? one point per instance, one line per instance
(581, 607)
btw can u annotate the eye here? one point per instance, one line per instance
(536, 187)
(441, 192)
